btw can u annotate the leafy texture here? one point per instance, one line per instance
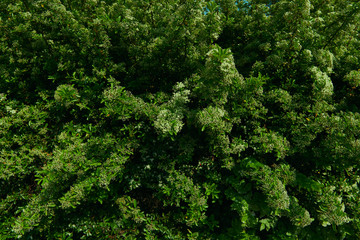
(207, 119)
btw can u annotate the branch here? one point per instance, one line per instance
(347, 20)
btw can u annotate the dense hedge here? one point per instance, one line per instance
(172, 119)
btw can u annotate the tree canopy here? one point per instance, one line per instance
(173, 119)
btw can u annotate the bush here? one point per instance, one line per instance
(179, 119)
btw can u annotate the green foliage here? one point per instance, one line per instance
(208, 119)
(67, 95)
